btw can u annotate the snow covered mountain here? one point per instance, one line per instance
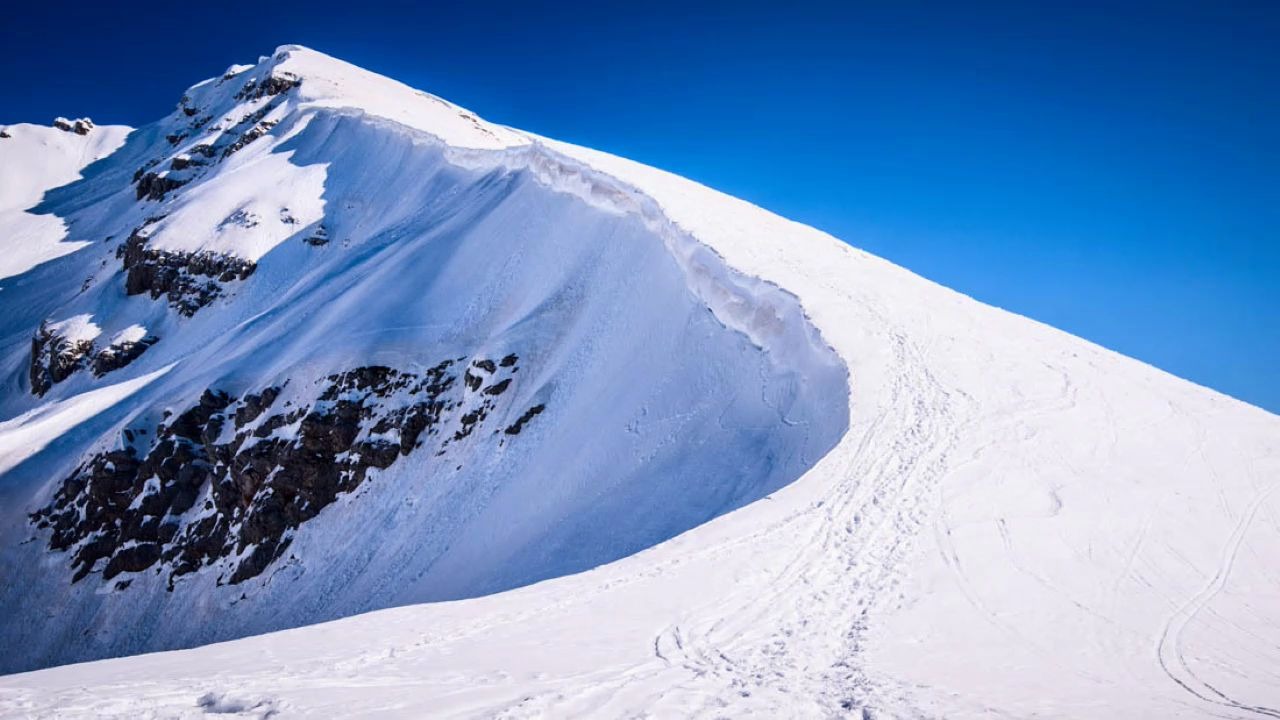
(318, 344)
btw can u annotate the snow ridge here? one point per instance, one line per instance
(768, 315)
(968, 514)
(284, 231)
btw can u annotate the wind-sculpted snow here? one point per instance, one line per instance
(34, 159)
(227, 482)
(1012, 522)
(550, 375)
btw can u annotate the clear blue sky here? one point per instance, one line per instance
(1110, 169)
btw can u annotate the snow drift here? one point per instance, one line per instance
(1012, 522)
(313, 361)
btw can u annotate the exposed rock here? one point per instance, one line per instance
(182, 162)
(528, 415)
(276, 83)
(4, 135)
(79, 127)
(473, 381)
(54, 358)
(317, 238)
(228, 482)
(132, 559)
(116, 356)
(189, 280)
(154, 186)
(240, 218)
(249, 136)
(253, 405)
(137, 174)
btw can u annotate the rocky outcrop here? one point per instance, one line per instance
(188, 280)
(55, 357)
(515, 427)
(248, 136)
(318, 237)
(274, 84)
(81, 126)
(182, 162)
(153, 185)
(117, 355)
(229, 481)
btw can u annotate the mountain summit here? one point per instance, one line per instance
(323, 344)
(318, 344)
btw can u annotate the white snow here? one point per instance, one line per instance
(131, 334)
(1015, 522)
(245, 218)
(336, 84)
(76, 328)
(32, 160)
(700, 389)
(27, 434)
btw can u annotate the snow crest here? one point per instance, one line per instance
(980, 517)
(410, 357)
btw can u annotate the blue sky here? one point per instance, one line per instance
(1111, 169)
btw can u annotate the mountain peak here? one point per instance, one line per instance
(325, 82)
(286, 355)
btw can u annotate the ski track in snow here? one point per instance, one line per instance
(1017, 524)
(1170, 651)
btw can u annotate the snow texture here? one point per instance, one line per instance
(999, 519)
(34, 159)
(650, 387)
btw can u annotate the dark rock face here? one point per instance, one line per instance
(79, 127)
(253, 133)
(182, 162)
(518, 425)
(154, 186)
(114, 357)
(317, 238)
(229, 482)
(276, 83)
(54, 358)
(189, 280)
(4, 135)
(474, 378)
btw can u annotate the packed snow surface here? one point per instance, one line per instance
(999, 519)
(621, 384)
(34, 159)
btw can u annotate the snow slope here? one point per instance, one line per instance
(538, 373)
(34, 159)
(1014, 523)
